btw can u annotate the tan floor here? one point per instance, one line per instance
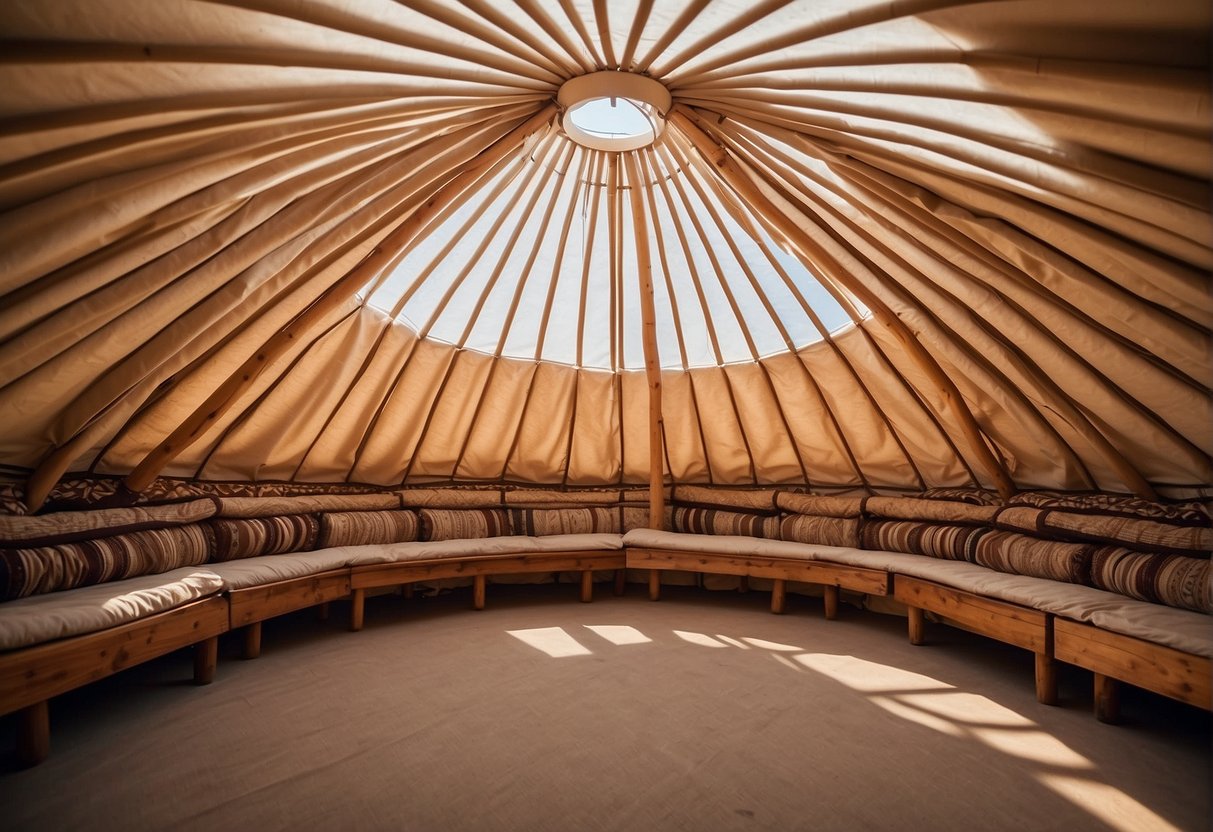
(701, 712)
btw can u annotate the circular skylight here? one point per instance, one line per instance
(613, 110)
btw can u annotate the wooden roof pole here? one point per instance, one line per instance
(227, 393)
(648, 332)
(724, 164)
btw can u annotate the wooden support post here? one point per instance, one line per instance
(587, 586)
(743, 584)
(322, 611)
(916, 625)
(831, 602)
(648, 333)
(406, 591)
(1107, 698)
(252, 640)
(1046, 679)
(479, 583)
(779, 594)
(621, 581)
(357, 609)
(206, 658)
(654, 584)
(33, 734)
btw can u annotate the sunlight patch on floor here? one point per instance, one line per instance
(619, 634)
(551, 640)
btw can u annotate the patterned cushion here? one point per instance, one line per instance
(637, 517)
(1019, 554)
(68, 526)
(1185, 513)
(820, 505)
(938, 511)
(534, 498)
(826, 531)
(710, 521)
(538, 522)
(451, 497)
(362, 528)
(973, 496)
(32, 571)
(1137, 533)
(1174, 580)
(255, 536)
(697, 496)
(914, 538)
(454, 524)
(277, 506)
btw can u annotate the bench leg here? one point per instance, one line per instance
(916, 625)
(478, 591)
(743, 583)
(621, 581)
(406, 592)
(33, 734)
(357, 609)
(587, 586)
(654, 584)
(322, 611)
(1107, 698)
(252, 640)
(1046, 679)
(779, 594)
(831, 602)
(206, 657)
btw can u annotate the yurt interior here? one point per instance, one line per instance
(606, 415)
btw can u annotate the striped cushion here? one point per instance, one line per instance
(1137, 533)
(930, 539)
(710, 521)
(564, 521)
(455, 524)
(279, 506)
(70, 526)
(67, 565)
(255, 536)
(362, 528)
(1019, 554)
(1174, 580)
(1185, 513)
(826, 531)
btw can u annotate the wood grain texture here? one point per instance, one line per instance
(858, 579)
(1010, 623)
(261, 602)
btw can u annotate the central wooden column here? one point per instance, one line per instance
(652, 362)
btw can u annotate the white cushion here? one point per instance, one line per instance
(268, 569)
(29, 621)
(472, 547)
(718, 544)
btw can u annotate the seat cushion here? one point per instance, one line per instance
(29, 621)
(718, 544)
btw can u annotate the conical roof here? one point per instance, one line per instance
(886, 245)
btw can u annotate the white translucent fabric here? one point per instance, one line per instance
(1021, 189)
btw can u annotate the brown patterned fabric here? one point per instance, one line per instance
(1019, 519)
(697, 496)
(362, 528)
(278, 506)
(451, 497)
(936, 511)
(32, 571)
(460, 524)
(824, 531)
(915, 538)
(637, 517)
(711, 521)
(1174, 580)
(530, 521)
(1183, 513)
(534, 498)
(252, 537)
(69, 526)
(820, 505)
(1135, 533)
(1019, 554)
(973, 496)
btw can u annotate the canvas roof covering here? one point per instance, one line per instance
(892, 244)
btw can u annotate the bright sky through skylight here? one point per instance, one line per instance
(612, 117)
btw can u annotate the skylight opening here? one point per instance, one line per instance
(616, 118)
(613, 111)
